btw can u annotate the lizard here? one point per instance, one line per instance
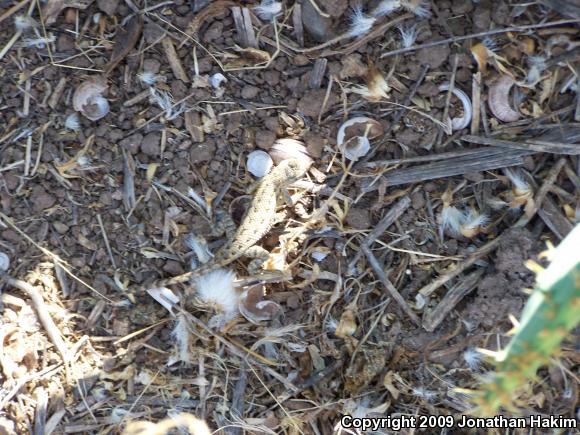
(260, 217)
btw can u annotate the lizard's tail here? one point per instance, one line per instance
(184, 277)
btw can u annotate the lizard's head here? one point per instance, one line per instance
(293, 169)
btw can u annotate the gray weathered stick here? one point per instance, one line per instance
(433, 319)
(389, 286)
(486, 249)
(496, 158)
(389, 219)
(530, 144)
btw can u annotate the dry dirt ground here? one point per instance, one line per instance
(92, 208)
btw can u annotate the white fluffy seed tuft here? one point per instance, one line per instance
(23, 22)
(217, 288)
(148, 78)
(360, 23)
(517, 180)
(72, 122)
(386, 7)
(419, 8)
(182, 339)
(408, 35)
(473, 358)
(267, 10)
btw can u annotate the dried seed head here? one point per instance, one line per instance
(259, 163)
(520, 186)
(165, 102)
(451, 221)
(360, 23)
(522, 192)
(425, 394)
(182, 337)
(376, 88)
(473, 223)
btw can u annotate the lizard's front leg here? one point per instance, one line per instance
(224, 224)
(259, 255)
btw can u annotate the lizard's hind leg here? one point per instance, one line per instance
(224, 224)
(259, 255)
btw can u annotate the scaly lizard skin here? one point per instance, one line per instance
(257, 222)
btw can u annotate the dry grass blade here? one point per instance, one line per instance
(528, 144)
(173, 60)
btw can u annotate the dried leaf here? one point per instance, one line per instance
(347, 325)
(125, 40)
(210, 11)
(480, 53)
(165, 297)
(253, 306)
(248, 57)
(54, 7)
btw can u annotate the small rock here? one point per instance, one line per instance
(311, 103)
(132, 143)
(481, 19)
(202, 152)
(173, 268)
(475, 177)
(359, 218)
(314, 144)
(434, 56)
(60, 228)
(151, 65)
(300, 60)
(249, 92)
(151, 144)
(265, 139)
(417, 200)
(316, 25)
(272, 77)
(108, 6)
(213, 32)
(273, 124)
(41, 199)
(65, 43)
